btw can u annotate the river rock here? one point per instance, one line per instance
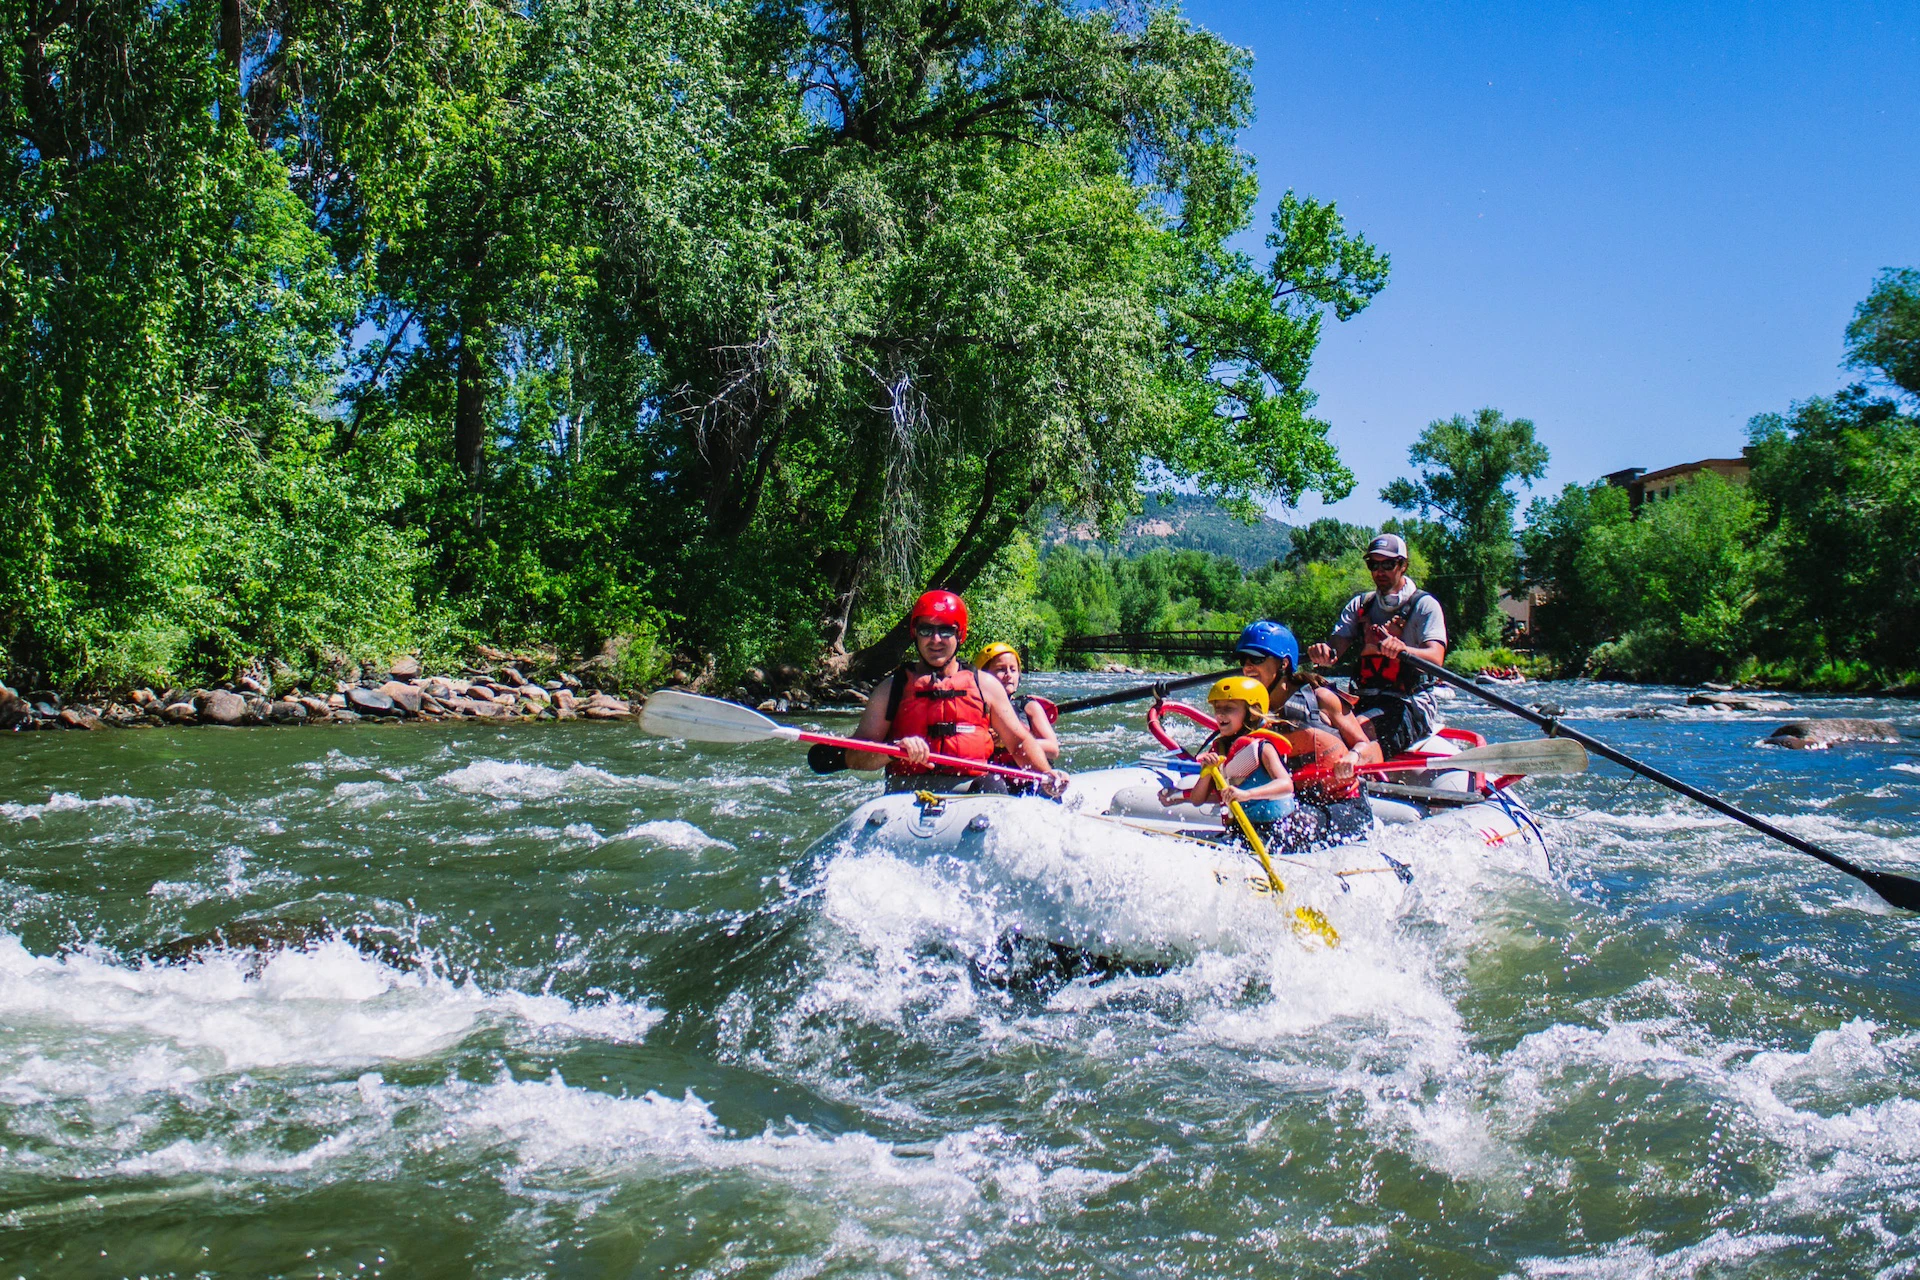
(286, 711)
(513, 677)
(1735, 702)
(489, 653)
(534, 693)
(315, 706)
(1549, 708)
(221, 707)
(1801, 735)
(73, 719)
(370, 702)
(570, 680)
(342, 716)
(603, 707)
(404, 696)
(1640, 713)
(405, 668)
(247, 684)
(182, 713)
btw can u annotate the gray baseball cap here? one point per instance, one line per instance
(1388, 544)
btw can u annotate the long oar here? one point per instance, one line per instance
(1539, 757)
(1307, 918)
(1161, 687)
(673, 714)
(1901, 891)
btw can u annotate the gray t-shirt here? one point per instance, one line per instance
(1424, 625)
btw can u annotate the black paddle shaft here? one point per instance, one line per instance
(1159, 688)
(1901, 891)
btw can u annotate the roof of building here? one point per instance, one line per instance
(1688, 468)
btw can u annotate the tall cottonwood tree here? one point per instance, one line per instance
(1467, 466)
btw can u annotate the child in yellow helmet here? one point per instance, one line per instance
(1002, 662)
(1251, 759)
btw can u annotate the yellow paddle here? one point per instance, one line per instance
(1306, 919)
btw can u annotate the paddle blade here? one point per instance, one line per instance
(670, 713)
(1539, 757)
(1899, 891)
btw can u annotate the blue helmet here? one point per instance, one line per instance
(1265, 639)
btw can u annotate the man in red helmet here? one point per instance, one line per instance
(940, 704)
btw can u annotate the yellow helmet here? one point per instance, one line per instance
(1241, 689)
(992, 651)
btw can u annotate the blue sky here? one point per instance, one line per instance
(1636, 225)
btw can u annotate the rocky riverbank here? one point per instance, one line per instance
(497, 687)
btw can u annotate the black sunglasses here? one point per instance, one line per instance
(935, 630)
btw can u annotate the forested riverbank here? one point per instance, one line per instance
(331, 333)
(1805, 576)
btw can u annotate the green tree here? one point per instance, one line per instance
(1326, 540)
(1466, 465)
(1572, 617)
(1838, 480)
(1885, 333)
(1679, 582)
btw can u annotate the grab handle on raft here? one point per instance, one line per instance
(1900, 891)
(1181, 709)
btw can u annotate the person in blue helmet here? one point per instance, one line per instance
(1324, 738)
(1268, 652)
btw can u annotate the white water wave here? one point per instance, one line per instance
(322, 1007)
(66, 802)
(511, 780)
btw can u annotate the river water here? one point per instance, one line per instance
(608, 1017)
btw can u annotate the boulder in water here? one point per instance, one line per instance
(259, 939)
(1801, 735)
(1735, 702)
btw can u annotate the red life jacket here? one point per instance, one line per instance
(950, 712)
(1379, 673)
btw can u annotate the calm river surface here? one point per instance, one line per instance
(602, 1027)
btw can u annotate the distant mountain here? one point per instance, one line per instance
(1188, 522)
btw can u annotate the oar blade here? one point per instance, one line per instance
(669, 713)
(1539, 757)
(1899, 891)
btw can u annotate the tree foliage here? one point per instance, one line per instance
(1810, 574)
(1462, 490)
(1885, 333)
(333, 326)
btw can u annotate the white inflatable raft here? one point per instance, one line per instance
(1108, 870)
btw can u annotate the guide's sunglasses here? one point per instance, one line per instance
(1381, 564)
(936, 630)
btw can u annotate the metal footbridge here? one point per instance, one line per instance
(1165, 644)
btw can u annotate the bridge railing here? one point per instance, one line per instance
(1165, 643)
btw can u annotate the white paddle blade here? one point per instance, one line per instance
(692, 718)
(1540, 757)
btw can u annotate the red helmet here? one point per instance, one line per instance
(940, 606)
